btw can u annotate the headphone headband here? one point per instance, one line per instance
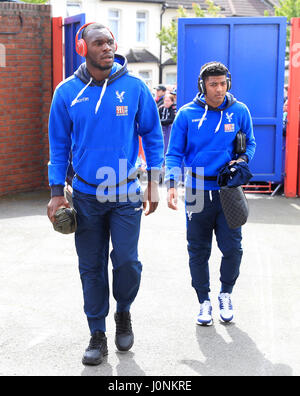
(82, 27)
(80, 44)
(212, 65)
(201, 84)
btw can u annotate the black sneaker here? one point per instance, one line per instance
(96, 350)
(124, 335)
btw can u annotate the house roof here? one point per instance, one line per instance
(228, 7)
(140, 1)
(170, 3)
(169, 62)
(245, 8)
(143, 55)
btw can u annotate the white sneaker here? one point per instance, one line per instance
(205, 315)
(226, 309)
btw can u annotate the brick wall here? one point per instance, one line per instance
(25, 96)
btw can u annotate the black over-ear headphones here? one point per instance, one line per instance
(201, 84)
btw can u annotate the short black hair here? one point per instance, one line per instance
(213, 69)
(92, 26)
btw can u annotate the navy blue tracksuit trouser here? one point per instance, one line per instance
(98, 223)
(200, 228)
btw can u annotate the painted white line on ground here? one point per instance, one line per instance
(295, 206)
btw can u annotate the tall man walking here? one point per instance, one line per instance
(98, 115)
(203, 134)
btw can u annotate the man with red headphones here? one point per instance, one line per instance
(98, 115)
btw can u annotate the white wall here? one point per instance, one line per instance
(97, 11)
(127, 35)
(58, 8)
(136, 68)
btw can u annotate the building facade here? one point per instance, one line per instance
(135, 25)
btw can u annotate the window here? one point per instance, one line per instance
(171, 78)
(141, 24)
(73, 8)
(114, 22)
(146, 75)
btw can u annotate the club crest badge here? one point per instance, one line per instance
(120, 96)
(229, 117)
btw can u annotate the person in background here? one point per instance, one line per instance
(173, 93)
(167, 113)
(160, 93)
(285, 113)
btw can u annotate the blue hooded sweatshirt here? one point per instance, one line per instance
(100, 124)
(204, 137)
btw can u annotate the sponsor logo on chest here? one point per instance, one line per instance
(229, 127)
(121, 110)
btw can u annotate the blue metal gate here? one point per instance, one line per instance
(72, 59)
(254, 51)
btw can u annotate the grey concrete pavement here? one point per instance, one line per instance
(43, 330)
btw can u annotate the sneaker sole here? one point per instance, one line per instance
(124, 349)
(226, 320)
(87, 362)
(210, 323)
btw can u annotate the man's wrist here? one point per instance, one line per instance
(57, 191)
(243, 158)
(154, 175)
(171, 184)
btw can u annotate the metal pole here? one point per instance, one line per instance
(163, 9)
(292, 134)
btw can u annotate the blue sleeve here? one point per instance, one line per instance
(176, 148)
(60, 127)
(149, 128)
(247, 128)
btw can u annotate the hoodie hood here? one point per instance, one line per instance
(119, 68)
(229, 100)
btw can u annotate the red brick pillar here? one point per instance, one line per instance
(25, 96)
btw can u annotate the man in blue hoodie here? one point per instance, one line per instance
(98, 115)
(203, 135)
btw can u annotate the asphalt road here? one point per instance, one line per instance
(43, 330)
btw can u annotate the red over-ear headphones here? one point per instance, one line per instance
(80, 44)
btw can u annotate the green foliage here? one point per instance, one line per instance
(168, 35)
(35, 1)
(290, 9)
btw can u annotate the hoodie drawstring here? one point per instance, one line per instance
(220, 122)
(85, 87)
(101, 96)
(203, 117)
(81, 92)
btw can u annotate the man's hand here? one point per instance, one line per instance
(172, 198)
(54, 204)
(152, 197)
(238, 160)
